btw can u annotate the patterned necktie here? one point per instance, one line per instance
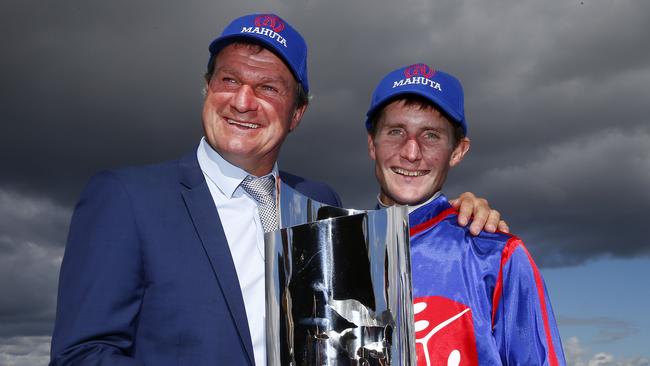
(261, 189)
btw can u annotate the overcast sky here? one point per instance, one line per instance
(557, 101)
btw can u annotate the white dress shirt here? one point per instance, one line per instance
(241, 223)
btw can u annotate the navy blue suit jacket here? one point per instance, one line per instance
(147, 277)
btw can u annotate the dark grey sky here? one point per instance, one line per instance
(557, 100)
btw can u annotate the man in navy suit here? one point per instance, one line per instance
(164, 263)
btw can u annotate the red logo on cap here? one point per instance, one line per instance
(270, 21)
(419, 69)
(444, 332)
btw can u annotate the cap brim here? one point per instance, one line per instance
(220, 43)
(441, 104)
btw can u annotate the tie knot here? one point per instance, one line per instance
(261, 189)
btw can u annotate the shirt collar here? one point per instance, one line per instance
(413, 208)
(226, 176)
(410, 208)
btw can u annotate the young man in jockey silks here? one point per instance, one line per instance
(478, 300)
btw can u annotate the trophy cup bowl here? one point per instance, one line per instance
(338, 286)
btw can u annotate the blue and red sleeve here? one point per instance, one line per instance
(523, 323)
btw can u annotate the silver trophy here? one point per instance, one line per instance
(338, 286)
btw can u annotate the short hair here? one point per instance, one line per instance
(421, 103)
(301, 97)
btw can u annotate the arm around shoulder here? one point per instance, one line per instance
(101, 281)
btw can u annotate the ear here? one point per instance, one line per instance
(297, 116)
(371, 148)
(206, 88)
(459, 152)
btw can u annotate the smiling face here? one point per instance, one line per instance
(249, 108)
(413, 148)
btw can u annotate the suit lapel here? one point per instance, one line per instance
(205, 217)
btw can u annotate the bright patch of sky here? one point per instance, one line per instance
(604, 303)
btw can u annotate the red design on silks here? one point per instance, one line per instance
(444, 332)
(512, 245)
(271, 21)
(416, 229)
(419, 70)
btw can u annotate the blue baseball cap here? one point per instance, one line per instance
(273, 33)
(442, 89)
